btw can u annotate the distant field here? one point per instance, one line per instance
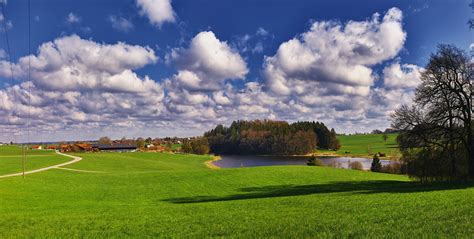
(367, 145)
(142, 195)
(11, 159)
(173, 146)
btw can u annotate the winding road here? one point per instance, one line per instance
(75, 159)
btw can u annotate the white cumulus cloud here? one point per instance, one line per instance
(336, 54)
(157, 11)
(402, 75)
(207, 63)
(73, 63)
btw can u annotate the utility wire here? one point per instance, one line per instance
(28, 123)
(9, 59)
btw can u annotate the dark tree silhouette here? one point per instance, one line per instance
(376, 165)
(471, 21)
(437, 129)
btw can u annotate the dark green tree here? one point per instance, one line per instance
(376, 165)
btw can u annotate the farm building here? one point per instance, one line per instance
(115, 147)
(79, 147)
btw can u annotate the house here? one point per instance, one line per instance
(116, 147)
(36, 147)
(52, 147)
(65, 147)
(161, 148)
(83, 147)
(79, 147)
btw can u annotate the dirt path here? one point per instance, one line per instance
(79, 170)
(75, 159)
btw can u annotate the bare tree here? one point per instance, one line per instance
(105, 140)
(471, 21)
(441, 118)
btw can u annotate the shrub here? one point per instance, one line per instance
(335, 164)
(394, 168)
(356, 165)
(435, 164)
(313, 161)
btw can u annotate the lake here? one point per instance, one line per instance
(237, 161)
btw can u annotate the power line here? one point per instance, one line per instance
(28, 123)
(9, 59)
(8, 42)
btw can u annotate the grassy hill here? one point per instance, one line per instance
(366, 145)
(11, 159)
(164, 195)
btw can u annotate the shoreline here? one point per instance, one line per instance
(216, 158)
(210, 163)
(355, 156)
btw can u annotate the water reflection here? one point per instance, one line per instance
(237, 161)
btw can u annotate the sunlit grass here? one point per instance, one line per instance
(166, 195)
(366, 145)
(11, 159)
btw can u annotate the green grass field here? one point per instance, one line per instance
(164, 195)
(366, 145)
(11, 159)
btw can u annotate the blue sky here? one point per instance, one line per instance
(252, 32)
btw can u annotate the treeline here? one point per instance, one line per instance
(270, 137)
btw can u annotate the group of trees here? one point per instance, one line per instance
(270, 137)
(198, 145)
(436, 132)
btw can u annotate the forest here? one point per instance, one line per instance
(267, 137)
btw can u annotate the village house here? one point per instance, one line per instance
(116, 147)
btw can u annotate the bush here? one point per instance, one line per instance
(313, 161)
(335, 164)
(376, 165)
(356, 165)
(428, 165)
(394, 168)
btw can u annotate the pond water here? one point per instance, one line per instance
(237, 161)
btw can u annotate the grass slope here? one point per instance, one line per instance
(366, 145)
(11, 159)
(163, 195)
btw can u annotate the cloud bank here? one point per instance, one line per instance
(326, 74)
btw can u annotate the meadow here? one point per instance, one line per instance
(171, 195)
(365, 145)
(11, 159)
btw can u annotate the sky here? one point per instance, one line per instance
(156, 68)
